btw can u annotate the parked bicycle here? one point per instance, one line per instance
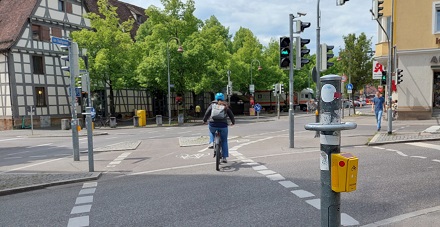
(101, 121)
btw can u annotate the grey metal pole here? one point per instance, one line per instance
(32, 120)
(169, 89)
(229, 87)
(90, 138)
(291, 83)
(330, 140)
(390, 72)
(318, 63)
(74, 72)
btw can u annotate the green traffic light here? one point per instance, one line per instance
(285, 52)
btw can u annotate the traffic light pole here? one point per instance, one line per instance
(291, 83)
(73, 56)
(318, 65)
(390, 72)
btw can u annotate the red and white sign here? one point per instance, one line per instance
(344, 78)
(377, 70)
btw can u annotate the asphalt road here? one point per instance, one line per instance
(265, 183)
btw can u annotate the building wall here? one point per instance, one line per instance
(414, 28)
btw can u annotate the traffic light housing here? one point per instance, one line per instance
(275, 88)
(300, 52)
(383, 80)
(281, 88)
(325, 64)
(284, 52)
(300, 26)
(399, 76)
(377, 9)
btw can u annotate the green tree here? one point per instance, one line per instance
(356, 61)
(176, 20)
(108, 46)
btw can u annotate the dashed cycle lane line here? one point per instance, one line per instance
(346, 220)
(418, 144)
(83, 205)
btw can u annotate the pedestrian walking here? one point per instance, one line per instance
(378, 107)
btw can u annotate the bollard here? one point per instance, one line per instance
(89, 138)
(330, 138)
(113, 122)
(135, 121)
(180, 119)
(159, 120)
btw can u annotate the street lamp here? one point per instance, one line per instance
(251, 86)
(180, 50)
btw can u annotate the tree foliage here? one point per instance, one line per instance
(109, 46)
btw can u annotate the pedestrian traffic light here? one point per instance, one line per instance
(300, 52)
(300, 26)
(377, 9)
(341, 2)
(383, 80)
(284, 52)
(326, 56)
(399, 76)
(281, 88)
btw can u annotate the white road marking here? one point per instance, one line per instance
(152, 137)
(110, 138)
(41, 145)
(36, 164)
(261, 167)
(401, 153)
(302, 193)
(38, 156)
(426, 145)
(87, 191)
(203, 150)
(252, 163)
(118, 159)
(347, 220)
(392, 150)
(90, 185)
(418, 157)
(435, 160)
(115, 163)
(81, 209)
(316, 203)
(84, 199)
(11, 158)
(185, 132)
(275, 177)
(288, 184)
(360, 146)
(380, 148)
(78, 221)
(247, 160)
(10, 139)
(403, 217)
(266, 172)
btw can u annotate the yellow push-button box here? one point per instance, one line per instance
(344, 171)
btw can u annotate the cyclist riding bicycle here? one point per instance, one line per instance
(217, 114)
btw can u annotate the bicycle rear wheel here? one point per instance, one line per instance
(217, 150)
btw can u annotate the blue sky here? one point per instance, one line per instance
(269, 18)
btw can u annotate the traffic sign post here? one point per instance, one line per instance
(257, 108)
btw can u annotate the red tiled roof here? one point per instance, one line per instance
(124, 11)
(13, 16)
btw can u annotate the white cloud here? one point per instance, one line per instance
(269, 18)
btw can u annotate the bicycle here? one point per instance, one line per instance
(101, 121)
(217, 150)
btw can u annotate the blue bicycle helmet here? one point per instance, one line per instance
(219, 96)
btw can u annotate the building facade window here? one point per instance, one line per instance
(38, 64)
(40, 33)
(61, 6)
(56, 32)
(436, 17)
(64, 6)
(40, 96)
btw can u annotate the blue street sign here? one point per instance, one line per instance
(257, 107)
(93, 112)
(78, 91)
(60, 41)
(349, 86)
